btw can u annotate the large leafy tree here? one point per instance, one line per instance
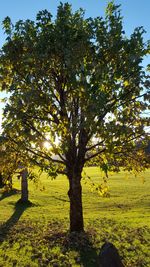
(79, 85)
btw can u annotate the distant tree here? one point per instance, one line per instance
(13, 161)
(8, 162)
(78, 85)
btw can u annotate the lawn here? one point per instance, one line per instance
(38, 235)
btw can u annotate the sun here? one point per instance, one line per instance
(47, 145)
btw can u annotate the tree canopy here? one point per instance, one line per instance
(79, 85)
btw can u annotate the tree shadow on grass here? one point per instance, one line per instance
(9, 193)
(83, 245)
(6, 227)
(78, 242)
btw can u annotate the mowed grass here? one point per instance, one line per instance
(38, 235)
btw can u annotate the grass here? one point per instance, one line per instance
(37, 235)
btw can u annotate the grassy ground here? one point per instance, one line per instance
(38, 235)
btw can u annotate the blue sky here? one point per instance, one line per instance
(135, 12)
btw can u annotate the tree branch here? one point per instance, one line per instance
(95, 154)
(94, 146)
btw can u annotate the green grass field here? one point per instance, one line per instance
(38, 235)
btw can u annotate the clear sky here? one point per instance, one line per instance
(135, 12)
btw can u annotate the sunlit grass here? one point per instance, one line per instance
(129, 198)
(37, 235)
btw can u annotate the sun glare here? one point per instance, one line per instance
(47, 145)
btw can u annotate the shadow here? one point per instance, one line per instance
(109, 256)
(79, 242)
(6, 227)
(61, 199)
(9, 193)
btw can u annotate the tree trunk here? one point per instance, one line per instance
(10, 182)
(1, 180)
(24, 185)
(75, 196)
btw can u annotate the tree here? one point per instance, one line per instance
(77, 84)
(14, 161)
(8, 162)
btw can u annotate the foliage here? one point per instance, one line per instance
(10, 158)
(79, 81)
(58, 91)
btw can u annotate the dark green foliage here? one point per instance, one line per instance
(80, 81)
(74, 79)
